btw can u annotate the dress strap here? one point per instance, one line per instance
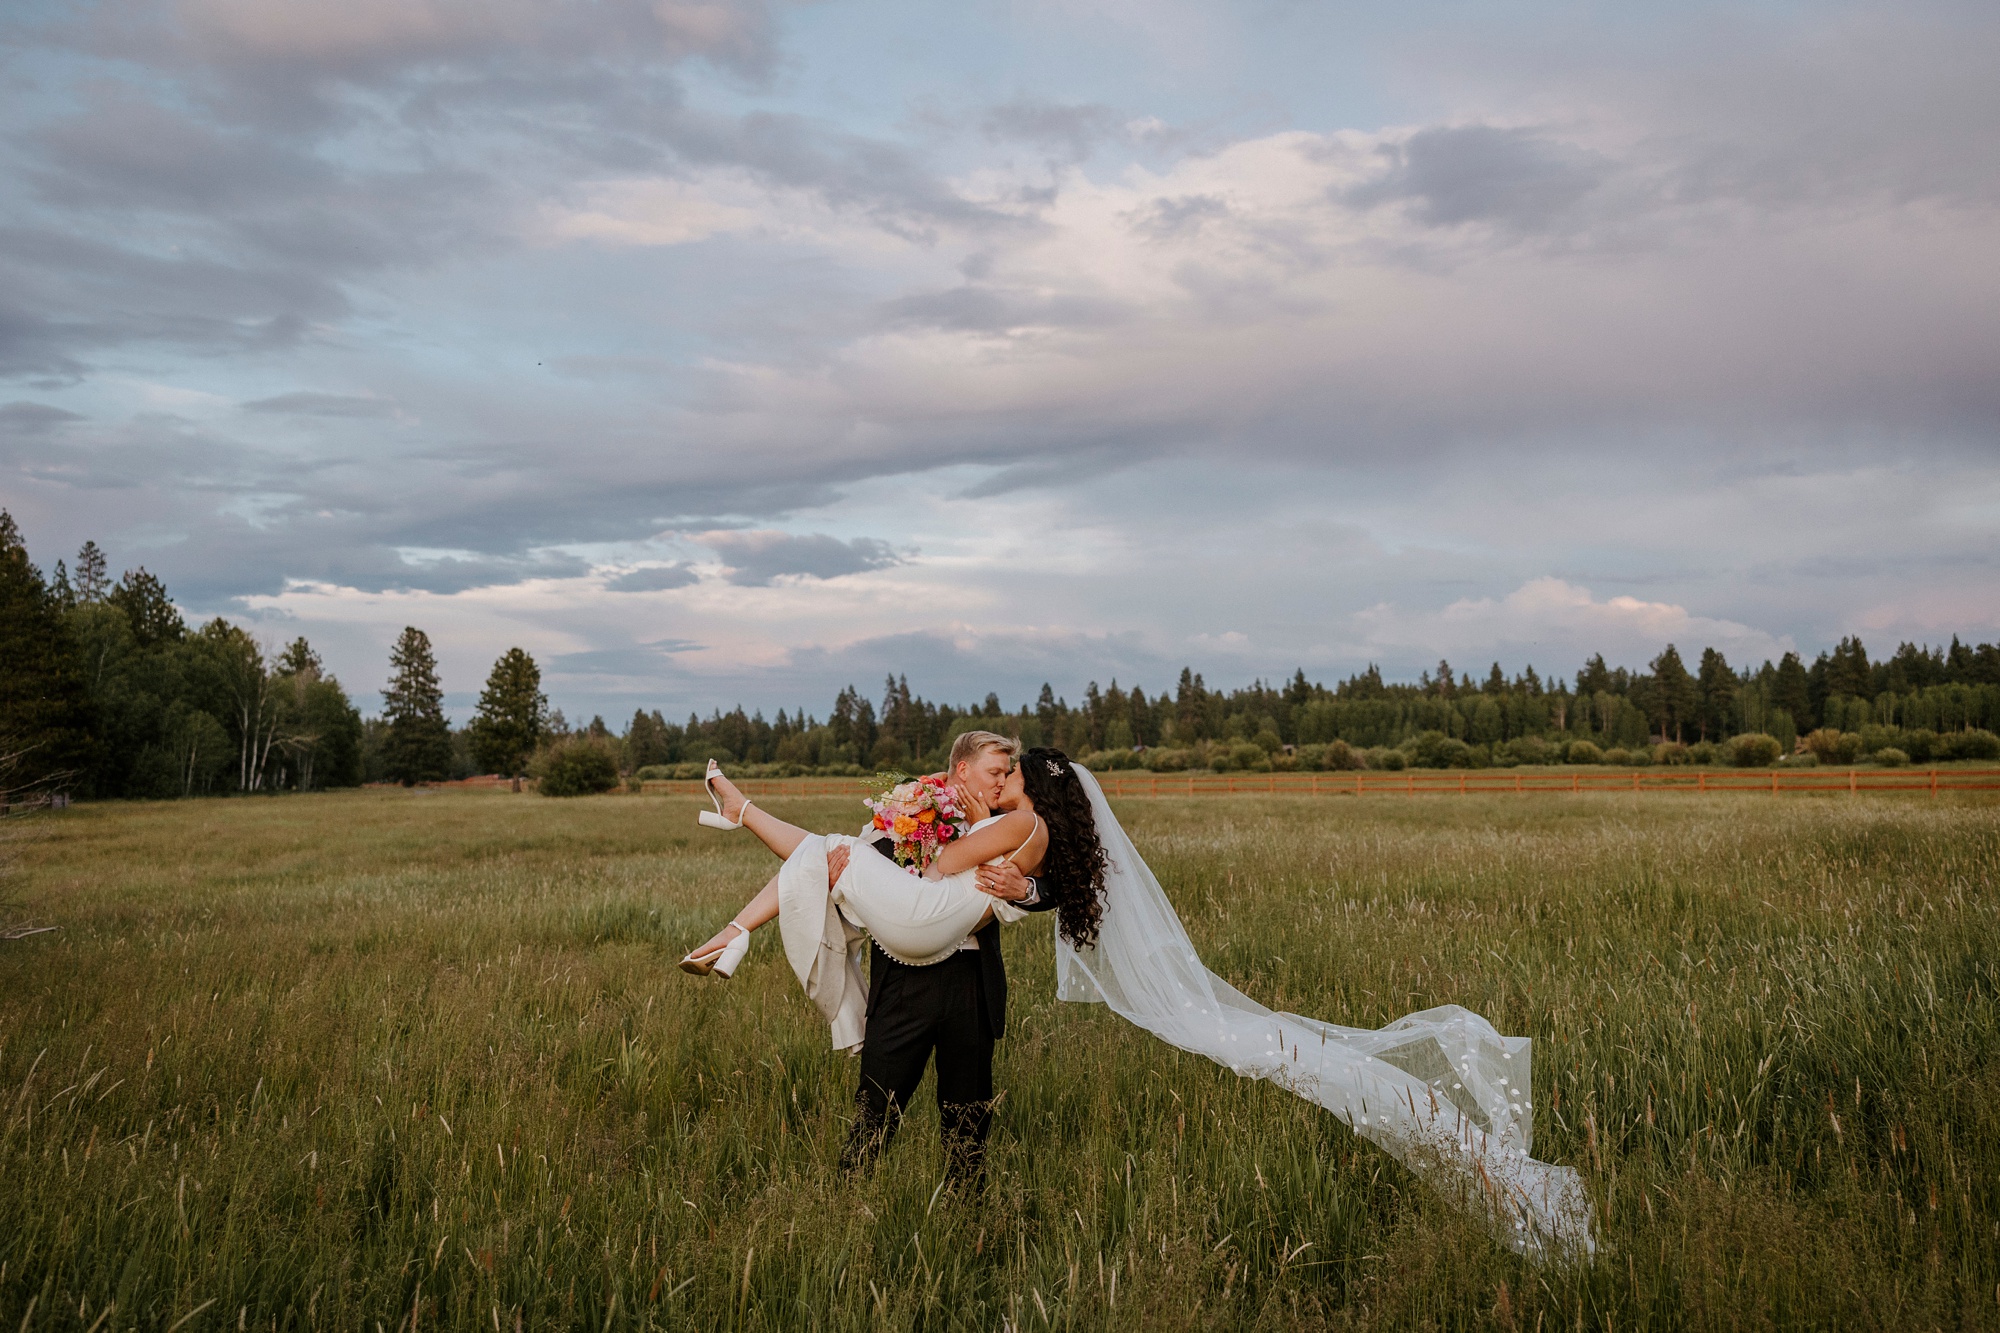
(1025, 841)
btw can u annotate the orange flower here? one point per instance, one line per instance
(926, 816)
(905, 826)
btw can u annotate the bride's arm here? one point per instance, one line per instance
(996, 839)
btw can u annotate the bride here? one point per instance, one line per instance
(1440, 1090)
(824, 898)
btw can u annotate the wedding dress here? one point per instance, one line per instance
(1439, 1090)
(916, 921)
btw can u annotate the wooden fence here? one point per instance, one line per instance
(1434, 782)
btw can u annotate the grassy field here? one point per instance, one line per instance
(391, 1059)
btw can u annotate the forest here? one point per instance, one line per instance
(106, 691)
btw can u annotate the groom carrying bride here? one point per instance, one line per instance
(955, 1009)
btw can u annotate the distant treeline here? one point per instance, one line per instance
(105, 691)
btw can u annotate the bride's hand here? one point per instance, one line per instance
(975, 809)
(836, 866)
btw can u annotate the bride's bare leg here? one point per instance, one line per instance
(764, 906)
(773, 832)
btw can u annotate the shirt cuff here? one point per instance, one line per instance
(1034, 893)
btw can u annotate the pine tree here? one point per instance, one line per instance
(1791, 691)
(92, 583)
(143, 598)
(512, 717)
(1715, 694)
(45, 714)
(418, 746)
(1674, 695)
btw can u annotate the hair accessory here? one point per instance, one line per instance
(1055, 769)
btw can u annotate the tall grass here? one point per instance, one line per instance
(405, 1060)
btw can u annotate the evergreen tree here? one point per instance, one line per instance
(1791, 691)
(45, 714)
(418, 746)
(1674, 695)
(1715, 695)
(143, 598)
(92, 583)
(512, 717)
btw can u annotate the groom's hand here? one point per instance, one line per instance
(1004, 881)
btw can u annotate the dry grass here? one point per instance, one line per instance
(391, 1058)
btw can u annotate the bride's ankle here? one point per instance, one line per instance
(732, 799)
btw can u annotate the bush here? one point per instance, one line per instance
(1977, 743)
(1106, 761)
(1921, 745)
(1250, 757)
(1333, 757)
(1804, 760)
(1617, 756)
(1890, 757)
(1671, 752)
(1703, 752)
(576, 768)
(1583, 752)
(1753, 749)
(1829, 746)
(1525, 750)
(1434, 749)
(1389, 761)
(1167, 761)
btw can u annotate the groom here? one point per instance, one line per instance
(956, 1009)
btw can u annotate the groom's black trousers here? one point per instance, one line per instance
(916, 1012)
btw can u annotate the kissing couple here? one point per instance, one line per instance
(1440, 1090)
(938, 982)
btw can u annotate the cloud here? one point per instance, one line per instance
(758, 557)
(1514, 177)
(651, 578)
(25, 418)
(323, 405)
(1561, 622)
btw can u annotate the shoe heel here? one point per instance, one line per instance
(709, 819)
(732, 955)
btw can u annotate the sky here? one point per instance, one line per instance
(722, 351)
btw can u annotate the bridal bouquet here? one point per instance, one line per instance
(921, 816)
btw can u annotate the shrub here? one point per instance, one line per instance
(1804, 760)
(1671, 752)
(1753, 749)
(1829, 746)
(1106, 761)
(1167, 761)
(1389, 761)
(1921, 745)
(1526, 750)
(1284, 763)
(1703, 752)
(1583, 752)
(1341, 757)
(1434, 749)
(1977, 743)
(576, 768)
(1890, 757)
(1617, 757)
(1246, 756)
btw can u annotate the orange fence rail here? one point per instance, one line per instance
(1773, 782)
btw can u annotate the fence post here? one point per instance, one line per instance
(1850, 781)
(1575, 782)
(1357, 782)
(1934, 782)
(1701, 782)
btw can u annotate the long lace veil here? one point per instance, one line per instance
(1439, 1090)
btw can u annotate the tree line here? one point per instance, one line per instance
(106, 691)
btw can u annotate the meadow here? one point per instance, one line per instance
(401, 1059)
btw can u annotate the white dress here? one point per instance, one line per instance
(917, 921)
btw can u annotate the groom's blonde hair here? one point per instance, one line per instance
(972, 743)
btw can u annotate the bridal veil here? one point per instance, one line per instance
(1439, 1090)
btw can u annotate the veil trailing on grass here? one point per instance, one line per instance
(1439, 1090)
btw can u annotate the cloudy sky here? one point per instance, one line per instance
(720, 350)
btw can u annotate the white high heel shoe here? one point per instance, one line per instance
(715, 818)
(724, 961)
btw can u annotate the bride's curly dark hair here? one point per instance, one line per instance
(1073, 869)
